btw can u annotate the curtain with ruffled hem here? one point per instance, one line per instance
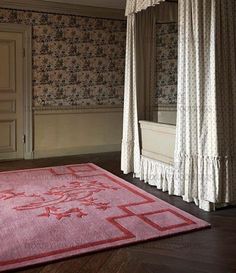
(206, 117)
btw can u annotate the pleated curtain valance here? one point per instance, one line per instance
(134, 6)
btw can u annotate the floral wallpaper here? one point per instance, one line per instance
(167, 52)
(77, 61)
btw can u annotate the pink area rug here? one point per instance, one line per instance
(52, 213)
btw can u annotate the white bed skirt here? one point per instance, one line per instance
(157, 173)
(161, 175)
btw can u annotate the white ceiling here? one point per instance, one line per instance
(117, 4)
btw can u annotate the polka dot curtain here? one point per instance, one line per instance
(206, 116)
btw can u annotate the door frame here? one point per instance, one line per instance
(26, 31)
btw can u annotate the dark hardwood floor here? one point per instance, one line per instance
(207, 251)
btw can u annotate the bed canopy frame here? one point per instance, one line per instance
(204, 169)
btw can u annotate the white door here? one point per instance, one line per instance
(11, 96)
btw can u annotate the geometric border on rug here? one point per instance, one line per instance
(63, 198)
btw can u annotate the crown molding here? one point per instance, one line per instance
(62, 8)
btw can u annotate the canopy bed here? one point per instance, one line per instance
(196, 158)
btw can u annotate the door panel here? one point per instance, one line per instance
(7, 66)
(7, 106)
(11, 96)
(7, 129)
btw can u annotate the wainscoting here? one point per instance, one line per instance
(71, 131)
(78, 61)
